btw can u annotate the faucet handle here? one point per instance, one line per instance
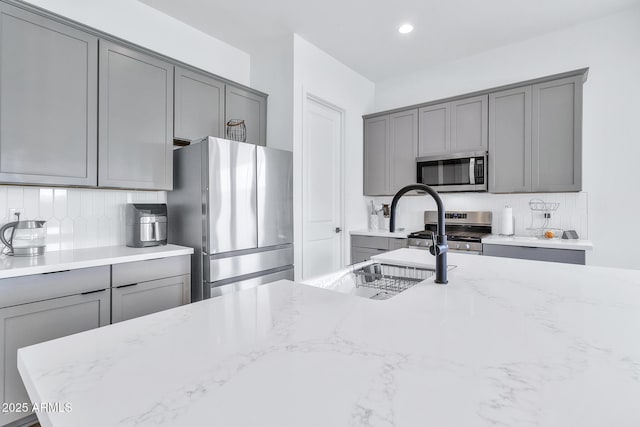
(438, 248)
(432, 248)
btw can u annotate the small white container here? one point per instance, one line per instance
(373, 222)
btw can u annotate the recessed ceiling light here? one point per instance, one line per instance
(405, 28)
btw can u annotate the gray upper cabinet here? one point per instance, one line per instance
(454, 127)
(376, 156)
(199, 105)
(435, 130)
(250, 107)
(535, 140)
(403, 149)
(469, 124)
(510, 141)
(136, 120)
(556, 160)
(48, 101)
(390, 150)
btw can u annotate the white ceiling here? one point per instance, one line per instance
(363, 33)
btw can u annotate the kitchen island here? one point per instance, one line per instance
(506, 343)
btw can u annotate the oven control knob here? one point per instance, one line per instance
(457, 245)
(467, 246)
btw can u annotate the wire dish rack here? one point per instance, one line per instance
(389, 279)
(541, 227)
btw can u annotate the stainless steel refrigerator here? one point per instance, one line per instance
(233, 203)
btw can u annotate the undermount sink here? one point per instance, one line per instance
(373, 280)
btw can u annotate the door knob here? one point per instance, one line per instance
(338, 229)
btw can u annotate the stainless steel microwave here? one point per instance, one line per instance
(454, 172)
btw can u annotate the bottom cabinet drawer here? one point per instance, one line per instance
(140, 299)
(33, 323)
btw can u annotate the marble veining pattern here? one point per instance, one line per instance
(506, 343)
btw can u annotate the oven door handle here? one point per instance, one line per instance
(472, 171)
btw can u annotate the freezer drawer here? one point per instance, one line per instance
(225, 266)
(249, 281)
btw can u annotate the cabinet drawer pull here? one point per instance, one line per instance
(93, 292)
(55, 272)
(126, 286)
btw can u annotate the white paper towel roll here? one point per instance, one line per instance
(507, 221)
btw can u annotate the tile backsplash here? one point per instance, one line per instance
(572, 214)
(76, 218)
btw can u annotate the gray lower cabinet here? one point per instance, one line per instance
(85, 306)
(241, 104)
(198, 105)
(48, 101)
(535, 137)
(567, 256)
(140, 299)
(136, 119)
(364, 247)
(145, 287)
(556, 142)
(390, 150)
(510, 141)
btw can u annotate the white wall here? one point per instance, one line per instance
(322, 76)
(272, 73)
(143, 25)
(610, 46)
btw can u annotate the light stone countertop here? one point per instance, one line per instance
(11, 266)
(507, 342)
(536, 242)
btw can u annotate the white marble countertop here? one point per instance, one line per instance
(507, 343)
(403, 234)
(536, 242)
(11, 266)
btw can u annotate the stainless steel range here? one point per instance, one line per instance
(465, 230)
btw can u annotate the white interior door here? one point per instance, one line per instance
(321, 189)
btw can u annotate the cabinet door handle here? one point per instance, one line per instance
(54, 272)
(93, 292)
(126, 286)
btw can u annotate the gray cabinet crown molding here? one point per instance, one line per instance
(581, 72)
